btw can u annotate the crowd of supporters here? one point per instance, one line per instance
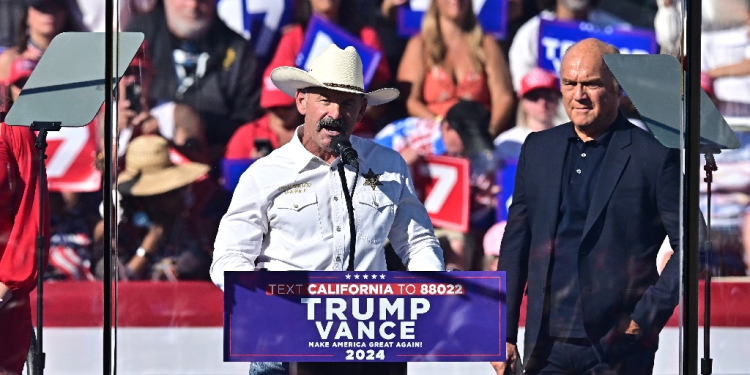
(197, 97)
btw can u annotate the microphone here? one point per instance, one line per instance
(348, 154)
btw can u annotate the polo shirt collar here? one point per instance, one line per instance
(603, 139)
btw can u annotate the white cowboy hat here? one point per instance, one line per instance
(334, 69)
(149, 170)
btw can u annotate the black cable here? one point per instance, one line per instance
(350, 209)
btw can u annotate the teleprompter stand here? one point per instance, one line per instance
(41, 144)
(707, 250)
(664, 94)
(67, 89)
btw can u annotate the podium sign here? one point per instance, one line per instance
(364, 316)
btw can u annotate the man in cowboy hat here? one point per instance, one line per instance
(289, 212)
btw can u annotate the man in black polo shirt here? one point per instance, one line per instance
(593, 202)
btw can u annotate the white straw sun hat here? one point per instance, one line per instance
(149, 170)
(334, 69)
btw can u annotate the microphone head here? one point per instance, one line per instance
(348, 154)
(340, 145)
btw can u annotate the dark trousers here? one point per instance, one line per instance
(15, 334)
(553, 356)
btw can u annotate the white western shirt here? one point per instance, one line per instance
(288, 212)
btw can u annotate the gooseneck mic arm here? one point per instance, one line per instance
(348, 156)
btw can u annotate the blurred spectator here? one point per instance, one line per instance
(524, 49)
(176, 122)
(11, 12)
(668, 26)
(451, 60)
(492, 240)
(345, 14)
(463, 133)
(273, 130)
(725, 58)
(539, 99)
(200, 62)
(19, 73)
(381, 15)
(158, 239)
(44, 19)
(72, 217)
(91, 13)
(730, 210)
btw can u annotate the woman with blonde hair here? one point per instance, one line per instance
(452, 59)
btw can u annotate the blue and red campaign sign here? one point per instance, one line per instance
(232, 170)
(555, 37)
(492, 15)
(442, 184)
(260, 21)
(320, 34)
(505, 178)
(364, 316)
(71, 164)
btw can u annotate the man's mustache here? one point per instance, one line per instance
(331, 123)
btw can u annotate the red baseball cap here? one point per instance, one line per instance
(21, 69)
(270, 95)
(538, 78)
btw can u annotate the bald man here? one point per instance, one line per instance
(593, 202)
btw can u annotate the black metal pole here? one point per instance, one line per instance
(708, 249)
(107, 188)
(41, 145)
(691, 210)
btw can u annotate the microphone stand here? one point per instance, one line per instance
(709, 168)
(350, 209)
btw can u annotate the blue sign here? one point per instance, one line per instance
(506, 180)
(364, 316)
(231, 170)
(320, 34)
(492, 15)
(260, 21)
(555, 37)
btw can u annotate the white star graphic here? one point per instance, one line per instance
(382, 277)
(356, 276)
(348, 276)
(365, 276)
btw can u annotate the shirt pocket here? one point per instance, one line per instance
(374, 212)
(298, 217)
